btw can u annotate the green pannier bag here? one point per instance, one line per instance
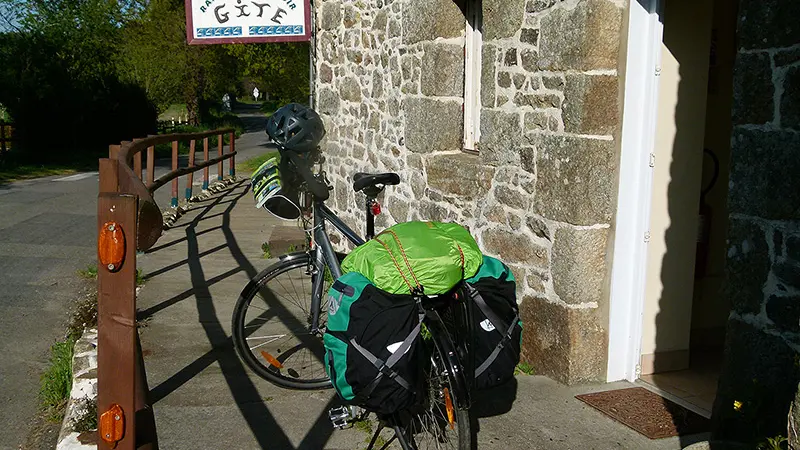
(434, 255)
(371, 342)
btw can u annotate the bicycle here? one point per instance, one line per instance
(282, 340)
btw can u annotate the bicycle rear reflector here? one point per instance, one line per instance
(271, 194)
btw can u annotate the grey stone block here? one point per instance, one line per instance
(431, 19)
(764, 168)
(350, 89)
(443, 70)
(516, 248)
(502, 18)
(501, 137)
(579, 264)
(768, 23)
(433, 125)
(584, 38)
(568, 345)
(748, 265)
(330, 15)
(573, 179)
(488, 69)
(753, 91)
(790, 100)
(461, 174)
(590, 104)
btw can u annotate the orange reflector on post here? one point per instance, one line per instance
(271, 359)
(111, 246)
(448, 404)
(112, 425)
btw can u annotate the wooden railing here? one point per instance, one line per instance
(128, 221)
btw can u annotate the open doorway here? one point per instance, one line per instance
(685, 310)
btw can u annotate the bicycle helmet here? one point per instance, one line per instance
(296, 127)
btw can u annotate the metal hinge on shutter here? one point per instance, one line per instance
(652, 162)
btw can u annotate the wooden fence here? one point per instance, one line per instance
(128, 221)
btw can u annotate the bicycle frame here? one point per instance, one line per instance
(325, 255)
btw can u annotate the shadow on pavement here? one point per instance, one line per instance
(262, 424)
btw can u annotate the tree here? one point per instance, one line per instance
(281, 70)
(59, 82)
(154, 54)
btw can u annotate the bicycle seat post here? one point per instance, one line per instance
(371, 193)
(370, 218)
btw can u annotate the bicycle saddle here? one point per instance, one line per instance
(364, 180)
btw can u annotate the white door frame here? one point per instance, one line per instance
(628, 272)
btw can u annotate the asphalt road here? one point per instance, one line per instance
(47, 233)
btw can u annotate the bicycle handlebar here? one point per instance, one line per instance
(315, 186)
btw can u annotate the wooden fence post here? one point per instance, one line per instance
(175, 167)
(190, 175)
(233, 158)
(151, 170)
(205, 159)
(220, 139)
(137, 165)
(116, 307)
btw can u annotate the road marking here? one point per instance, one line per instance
(76, 177)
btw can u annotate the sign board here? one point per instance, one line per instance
(247, 21)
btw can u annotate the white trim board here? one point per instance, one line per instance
(628, 272)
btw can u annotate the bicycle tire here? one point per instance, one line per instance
(240, 334)
(464, 418)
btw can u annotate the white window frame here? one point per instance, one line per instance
(472, 75)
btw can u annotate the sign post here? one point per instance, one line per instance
(247, 21)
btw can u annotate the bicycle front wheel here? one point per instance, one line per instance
(272, 322)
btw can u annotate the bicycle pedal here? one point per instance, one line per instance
(342, 416)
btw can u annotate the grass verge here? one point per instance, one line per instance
(249, 166)
(90, 273)
(28, 171)
(56, 382)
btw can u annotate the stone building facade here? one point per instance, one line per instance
(540, 192)
(763, 265)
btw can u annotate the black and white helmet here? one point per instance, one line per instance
(296, 127)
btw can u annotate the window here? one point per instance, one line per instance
(472, 75)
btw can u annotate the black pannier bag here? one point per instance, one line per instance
(372, 345)
(497, 327)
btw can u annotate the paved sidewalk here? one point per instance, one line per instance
(205, 398)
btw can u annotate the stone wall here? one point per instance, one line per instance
(763, 265)
(540, 195)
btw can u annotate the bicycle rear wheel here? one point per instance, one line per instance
(272, 322)
(441, 424)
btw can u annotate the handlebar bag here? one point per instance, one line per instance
(497, 328)
(372, 345)
(433, 256)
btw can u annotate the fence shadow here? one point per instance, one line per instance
(252, 407)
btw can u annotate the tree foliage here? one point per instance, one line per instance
(78, 75)
(281, 70)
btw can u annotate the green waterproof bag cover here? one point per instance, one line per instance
(434, 255)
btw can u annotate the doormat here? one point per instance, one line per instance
(647, 413)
